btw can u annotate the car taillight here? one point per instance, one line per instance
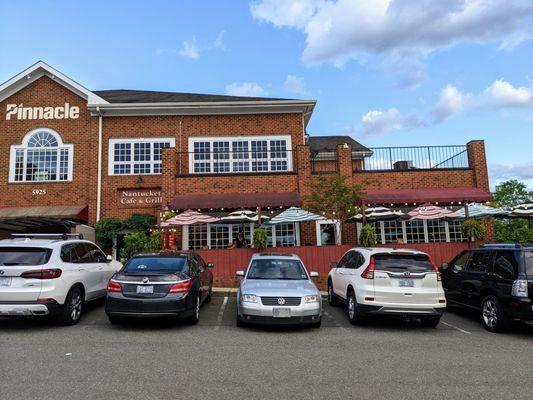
(114, 286)
(181, 287)
(368, 273)
(519, 288)
(439, 277)
(50, 273)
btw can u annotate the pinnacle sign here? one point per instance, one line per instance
(19, 112)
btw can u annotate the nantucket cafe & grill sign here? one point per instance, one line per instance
(19, 112)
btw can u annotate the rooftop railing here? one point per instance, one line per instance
(418, 157)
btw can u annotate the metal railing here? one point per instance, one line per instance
(236, 162)
(418, 157)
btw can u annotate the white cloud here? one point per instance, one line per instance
(502, 94)
(376, 122)
(410, 30)
(251, 89)
(512, 171)
(219, 41)
(190, 50)
(295, 84)
(451, 102)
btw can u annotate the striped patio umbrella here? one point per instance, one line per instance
(429, 211)
(522, 211)
(295, 214)
(242, 216)
(476, 210)
(379, 214)
(189, 217)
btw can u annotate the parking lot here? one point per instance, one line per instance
(388, 359)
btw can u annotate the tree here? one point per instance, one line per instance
(134, 242)
(332, 195)
(106, 231)
(511, 193)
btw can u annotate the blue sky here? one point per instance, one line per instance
(387, 72)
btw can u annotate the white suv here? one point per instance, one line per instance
(46, 274)
(387, 281)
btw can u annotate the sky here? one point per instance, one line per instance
(386, 72)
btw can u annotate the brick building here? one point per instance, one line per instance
(71, 154)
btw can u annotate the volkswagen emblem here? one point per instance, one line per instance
(406, 273)
(1, 272)
(281, 301)
(145, 280)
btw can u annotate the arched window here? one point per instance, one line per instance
(42, 157)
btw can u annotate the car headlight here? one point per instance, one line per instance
(249, 298)
(311, 299)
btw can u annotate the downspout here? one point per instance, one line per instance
(99, 179)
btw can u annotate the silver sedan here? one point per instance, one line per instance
(277, 289)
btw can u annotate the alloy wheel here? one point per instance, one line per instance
(330, 293)
(351, 306)
(75, 306)
(197, 312)
(490, 313)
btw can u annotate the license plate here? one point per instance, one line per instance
(5, 281)
(145, 289)
(281, 312)
(407, 283)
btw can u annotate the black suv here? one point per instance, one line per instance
(496, 279)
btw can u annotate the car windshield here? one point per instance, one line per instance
(277, 269)
(156, 264)
(529, 263)
(403, 262)
(24, 256)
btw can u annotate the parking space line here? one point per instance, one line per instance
(455, 327)
(221, 313)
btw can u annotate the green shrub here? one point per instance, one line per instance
(106, 230)
(134, 242)
(260, 238)
(140, 222)
(367, 238)
(155, 241)
(474, 229)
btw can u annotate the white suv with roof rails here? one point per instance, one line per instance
(385, 281)
(51, 274)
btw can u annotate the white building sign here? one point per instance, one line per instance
(19, 112)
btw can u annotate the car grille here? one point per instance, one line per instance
(273, 301)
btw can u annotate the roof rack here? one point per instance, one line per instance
(59, 236)
(503, 245)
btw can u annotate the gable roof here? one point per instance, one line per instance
(148, 96)
(330, 143)
(38, 70)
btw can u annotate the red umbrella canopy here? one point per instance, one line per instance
(429, 211)
(189, 217)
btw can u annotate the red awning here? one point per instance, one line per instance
(445, 195)
(57, 212)
(237, 200)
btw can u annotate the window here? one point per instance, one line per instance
(24, 256)
(220, 236)
(506, 265)
(197, 236)
(436, 230)
(137, 156)
(456, 233)
(393, 231)
(415, 231)
(285, 235)
(459, 264)
(480, 261)
(42, 157)
(240, 154)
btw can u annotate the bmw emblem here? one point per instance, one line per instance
(281, 301)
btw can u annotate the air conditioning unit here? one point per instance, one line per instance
(403, 165)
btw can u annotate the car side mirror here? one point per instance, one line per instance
(108, 258)
(444, 266)
(313, 274)
(239, 273)
(333, 264)
(210, 265)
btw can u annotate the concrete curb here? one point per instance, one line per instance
(232, 292)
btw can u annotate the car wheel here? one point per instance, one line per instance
(193, 319)
(355, 316)
(239, 322)
(430, 322)
(71, 312)
(332, 300)
(493, 316)
(317, 325)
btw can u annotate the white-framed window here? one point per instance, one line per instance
(436, 230)
(139, 156)
(328, 232)
(415, 231)
(455, 231)
(41, 157)
(216, 155)
(219, 236)
(392, 231)
(197, 236)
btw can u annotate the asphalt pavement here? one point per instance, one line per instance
(387, 359)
